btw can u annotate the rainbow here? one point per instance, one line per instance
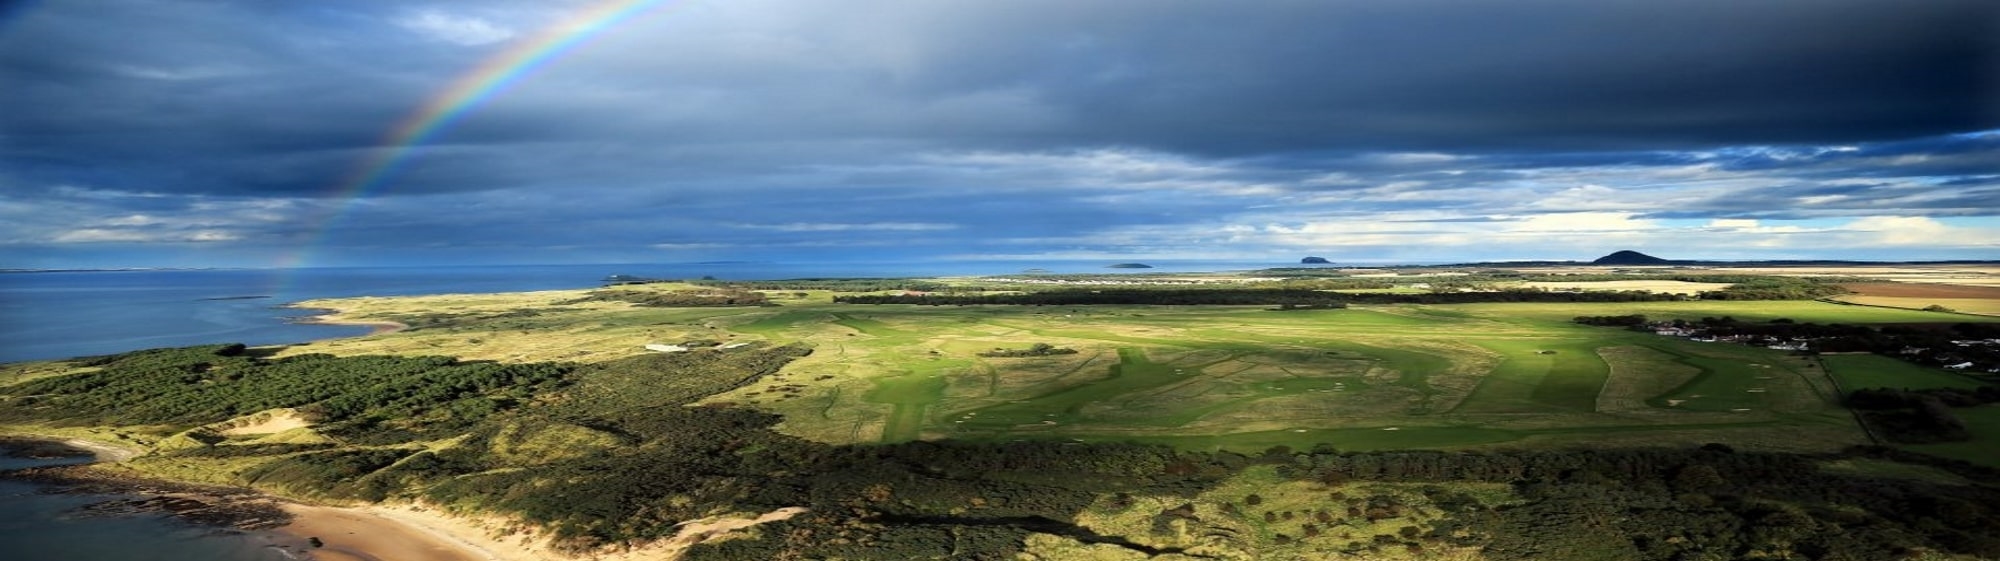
(490, 77)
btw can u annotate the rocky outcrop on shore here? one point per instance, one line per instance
(215, 507)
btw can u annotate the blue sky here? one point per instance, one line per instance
(217, 133)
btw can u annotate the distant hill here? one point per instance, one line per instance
(1315, 261)
(1629, 257)
(1129, 266)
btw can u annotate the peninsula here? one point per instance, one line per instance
(1405, 413)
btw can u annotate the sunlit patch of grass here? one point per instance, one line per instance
(1238, 377)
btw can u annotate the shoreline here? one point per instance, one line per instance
(375, 532)
(368, 533)
(377, 327)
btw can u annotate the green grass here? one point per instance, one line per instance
(1412, 368)
(780, 321)
(1737, 380)
(1540, 375)
(1133, 373)
(1984, 448)
(1801, 311)
(1875, 371)
(868, 326)
(911, 396)
(1245, 376)
(1353, 439)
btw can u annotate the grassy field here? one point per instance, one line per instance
(1856, 371)
(1984, 423)
(1237, 378)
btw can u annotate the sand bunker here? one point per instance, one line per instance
(268, 422)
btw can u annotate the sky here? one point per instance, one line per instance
(251, 133)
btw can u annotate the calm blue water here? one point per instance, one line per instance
(68, 314)
(39, 526)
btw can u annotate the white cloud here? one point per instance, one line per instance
(212, 236)
(463, 30)
(1751, 226)
(128, 235)
(175, 74)
(1582, 222)
(131, 220)
(689, 246)
(835, 227)
(1910, 230)
(1416, 158)
(1108, 168)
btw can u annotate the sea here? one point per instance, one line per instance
(49, 315)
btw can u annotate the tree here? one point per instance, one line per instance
(1698, 478)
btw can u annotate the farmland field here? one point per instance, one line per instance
(1963, 299)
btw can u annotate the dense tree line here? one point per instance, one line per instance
(836, 285)
(1117, 296)
(200, 385)
(1631, 320)
(1928, 345)
(678, 298)
(1248, 297)
(1773, 288)
(1337, 284)
(1688, 504)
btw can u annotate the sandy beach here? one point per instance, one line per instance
(382, 533)
(377, 327)
(364, 534)
(103, 452)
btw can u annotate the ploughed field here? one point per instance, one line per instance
(1969, 299)
(1200, 377)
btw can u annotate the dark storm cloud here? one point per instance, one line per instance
(204, 96)
(989, 128)
(1942, 156)
(209, 97)
(1231, 78)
